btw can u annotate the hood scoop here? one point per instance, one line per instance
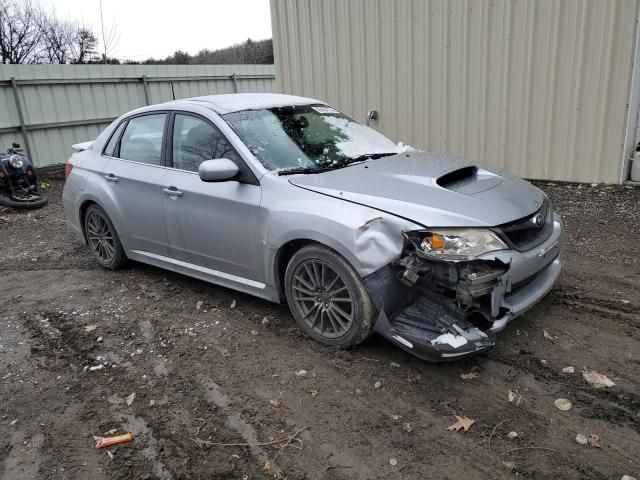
(469, 180)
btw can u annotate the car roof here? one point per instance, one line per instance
(236, 102)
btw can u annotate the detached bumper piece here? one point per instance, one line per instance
(434, 329)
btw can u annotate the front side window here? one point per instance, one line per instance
(142, 139)
(308, 136)
(195, 140)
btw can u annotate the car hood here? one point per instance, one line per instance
(433, 190)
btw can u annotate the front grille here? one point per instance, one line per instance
(524, 234)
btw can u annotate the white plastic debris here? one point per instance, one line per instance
(199, 304)
(378, 384)
(233, 304)
(300, 374)
(395, 365)
(131, 398)
(512, 434)
(563, 404)
(265, 321)
(393, 461)
(97, 367)
(568, 370)
(254, 332)
(597, 380)
(582, 439)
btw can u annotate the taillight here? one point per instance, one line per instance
(67, 168)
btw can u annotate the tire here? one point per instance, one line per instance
(5, 201)
(103, 239)
(322, 291)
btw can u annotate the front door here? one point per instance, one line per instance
(134, 175)
(212, 225)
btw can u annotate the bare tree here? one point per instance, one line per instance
(84, 46)
(20, 35)
(110, 36)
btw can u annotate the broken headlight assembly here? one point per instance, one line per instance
(455, 244)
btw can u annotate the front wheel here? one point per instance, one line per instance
(327, 297)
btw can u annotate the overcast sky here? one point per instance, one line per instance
(148, 28)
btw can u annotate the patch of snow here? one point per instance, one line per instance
(449, 339)
(236, 102)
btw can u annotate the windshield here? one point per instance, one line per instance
(306, 137)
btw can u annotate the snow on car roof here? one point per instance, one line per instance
(235, 102)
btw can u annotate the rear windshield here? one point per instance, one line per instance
(306, 136)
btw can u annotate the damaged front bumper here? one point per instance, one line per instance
(447, 311)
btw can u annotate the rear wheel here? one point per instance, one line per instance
(103, 239)
(327, 297)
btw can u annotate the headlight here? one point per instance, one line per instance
(455, 244)
(16, 162)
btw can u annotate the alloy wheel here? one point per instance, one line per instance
(322, 298)
(100, 237)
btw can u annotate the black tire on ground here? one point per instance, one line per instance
(338, 288)
(116, 258)
(5, 201)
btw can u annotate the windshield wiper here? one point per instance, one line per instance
(334, 166)
(367, 156)
(294, 170)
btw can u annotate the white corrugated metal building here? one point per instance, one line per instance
(545, 88)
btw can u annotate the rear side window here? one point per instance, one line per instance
(142, 139)
(113, 141)
(195, 140)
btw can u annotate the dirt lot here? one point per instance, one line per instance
(201, 370)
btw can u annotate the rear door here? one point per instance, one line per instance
(213, 225)
(134, 176)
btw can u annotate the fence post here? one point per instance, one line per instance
(23, 127)
(147, 95)
(234, 78)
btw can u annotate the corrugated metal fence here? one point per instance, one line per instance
(537, 86)
(58, 105)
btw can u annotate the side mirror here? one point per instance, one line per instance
(219, 170)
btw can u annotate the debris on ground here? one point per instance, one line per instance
(96, 367)
(300, 374)
(314, 393)
(393, 462)
(414, 377)
(104, 442)
(512, 434)
(514, 396)
(563, 404)
(199, 304)
(407, 427)
(568, 370)
(546, 335)
(597, 380)
(265, 321)
(594, 441)
(275, 402)
(358, 391)
(582, 439)
(461, 422)
(131, 398)
(233, 304)
(468, 376)
(395, 365)
(627, 477)
(90, 328)
(110, 432)
(254, 332)
(13, 422)
(378, 384)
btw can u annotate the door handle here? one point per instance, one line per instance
(172, 192)
(111, 178)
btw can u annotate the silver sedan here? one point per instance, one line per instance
(290, 200)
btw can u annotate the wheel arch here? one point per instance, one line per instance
(290, 247)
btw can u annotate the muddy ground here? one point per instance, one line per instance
(201, 370)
